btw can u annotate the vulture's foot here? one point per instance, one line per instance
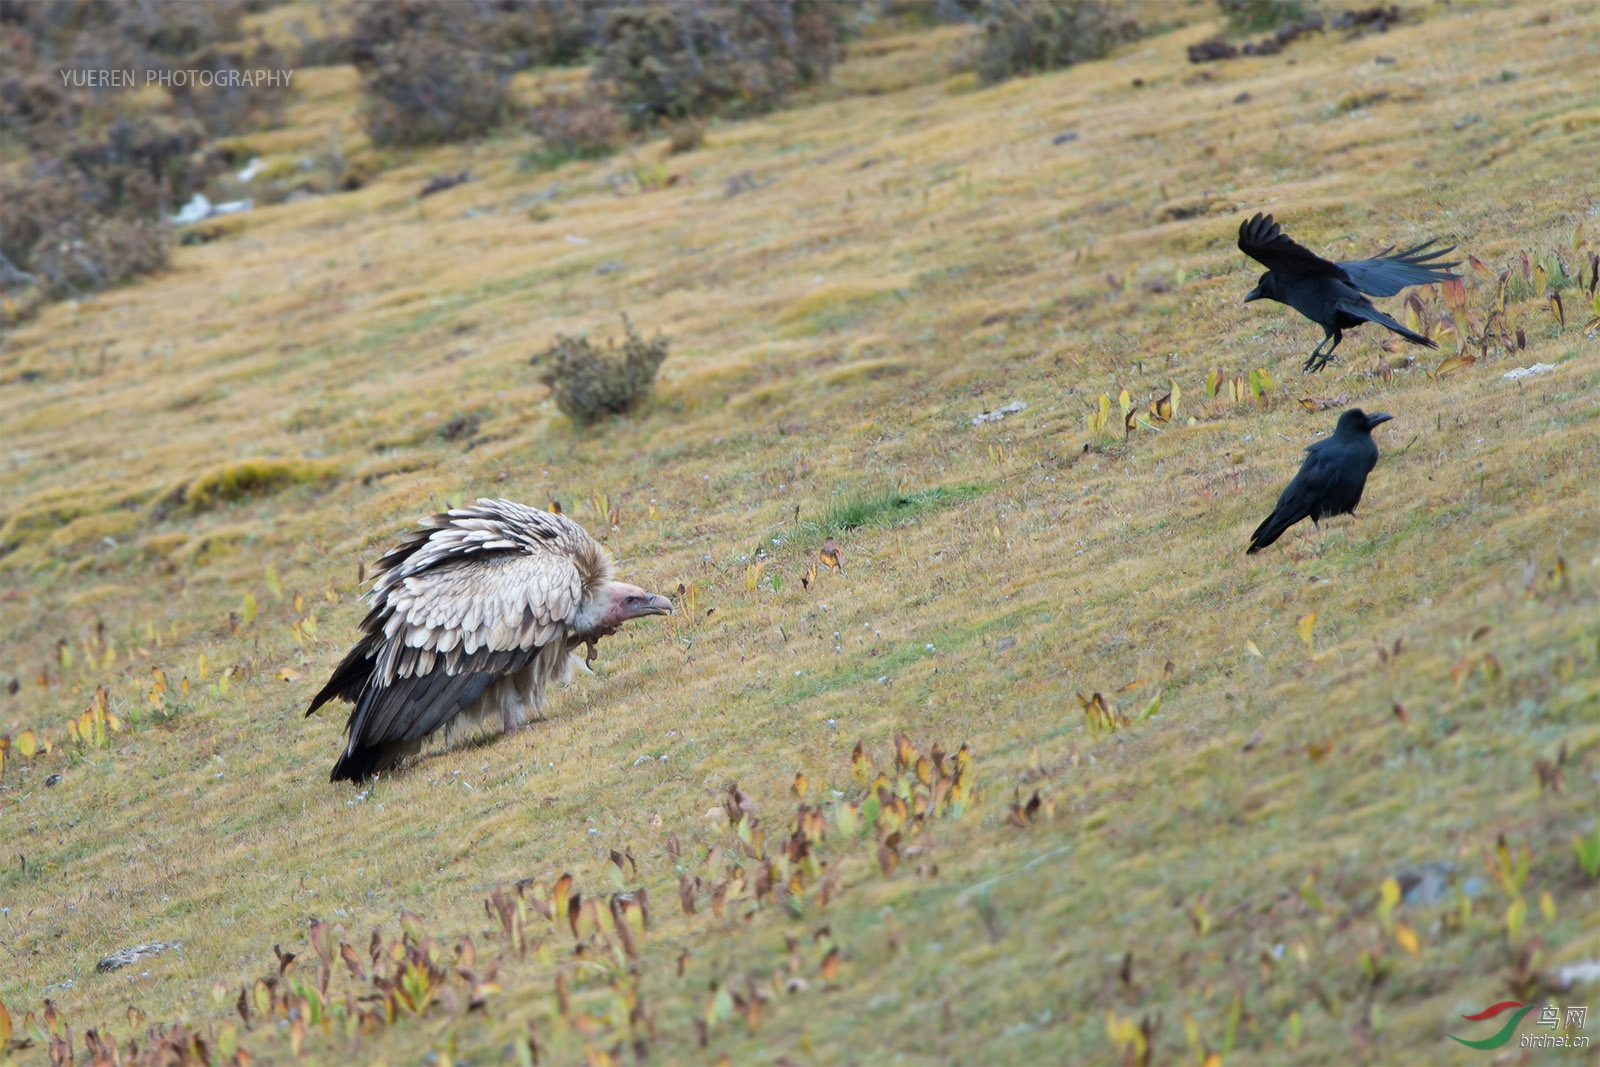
(592, 655)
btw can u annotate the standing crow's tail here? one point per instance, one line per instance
(1283, 516)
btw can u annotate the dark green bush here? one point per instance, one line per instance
(590, 383)
(696, 57)
(574, 125)
(429, 71)
(90, 169)
(1032, 36)
(1253, 16)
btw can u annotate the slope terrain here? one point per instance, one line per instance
(1309, 806)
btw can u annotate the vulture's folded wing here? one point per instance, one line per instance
(1389, 272)
(453, 630)
(1264, 241)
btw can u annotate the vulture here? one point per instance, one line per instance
(473, 616)
(1330, 481)
(1331, 294)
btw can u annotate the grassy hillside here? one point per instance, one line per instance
(196, 467)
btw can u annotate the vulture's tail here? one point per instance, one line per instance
(360, 763)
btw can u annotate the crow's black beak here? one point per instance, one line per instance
(1254, 294)
(1376, 419)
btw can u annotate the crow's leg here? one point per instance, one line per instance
(1316, 354)
(1319, 358)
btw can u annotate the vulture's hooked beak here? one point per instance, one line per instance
(1376, 419)
(1254, 294)
(660, 605)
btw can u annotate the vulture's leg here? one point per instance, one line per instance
(590, 656)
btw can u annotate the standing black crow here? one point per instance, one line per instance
(1329, 294)
(1330, 480)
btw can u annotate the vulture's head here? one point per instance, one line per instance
(605, 609)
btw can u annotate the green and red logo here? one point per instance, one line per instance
(1506, 1032)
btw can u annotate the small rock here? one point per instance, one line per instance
(1528, 372)
(54, 779)
(1005, 644)
(1425, 884)
(135, 954)
(445, 181)
(198, 209)
(610, 268)
(1586, 972)
(1065, 138)
(1250, 745)
(999, 413)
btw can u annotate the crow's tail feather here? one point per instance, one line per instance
(1272, 529)
(1372, 314)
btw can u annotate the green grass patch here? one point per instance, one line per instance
(885, 508)
(251, 477)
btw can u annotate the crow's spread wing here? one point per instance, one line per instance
(1389, 272)
(1264, 241)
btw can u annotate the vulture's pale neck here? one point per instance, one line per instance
(594, 608)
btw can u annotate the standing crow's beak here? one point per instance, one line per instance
(1376, 419)
(1254, 294)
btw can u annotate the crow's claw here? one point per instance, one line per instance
(1317, 361)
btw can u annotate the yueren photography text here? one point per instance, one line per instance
(799, 532)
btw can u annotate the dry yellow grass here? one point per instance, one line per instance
(894, 265)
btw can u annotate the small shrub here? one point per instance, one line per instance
(50, 230)
(686, 135)
(90, 172)
(589, 383)
(1031, 36)
(673, 61)
(549, 33)
(1254, 16)
(428, 72)
(574, 125)
(224, 108)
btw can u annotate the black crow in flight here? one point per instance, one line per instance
(1330, 480)
(1330, 294)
